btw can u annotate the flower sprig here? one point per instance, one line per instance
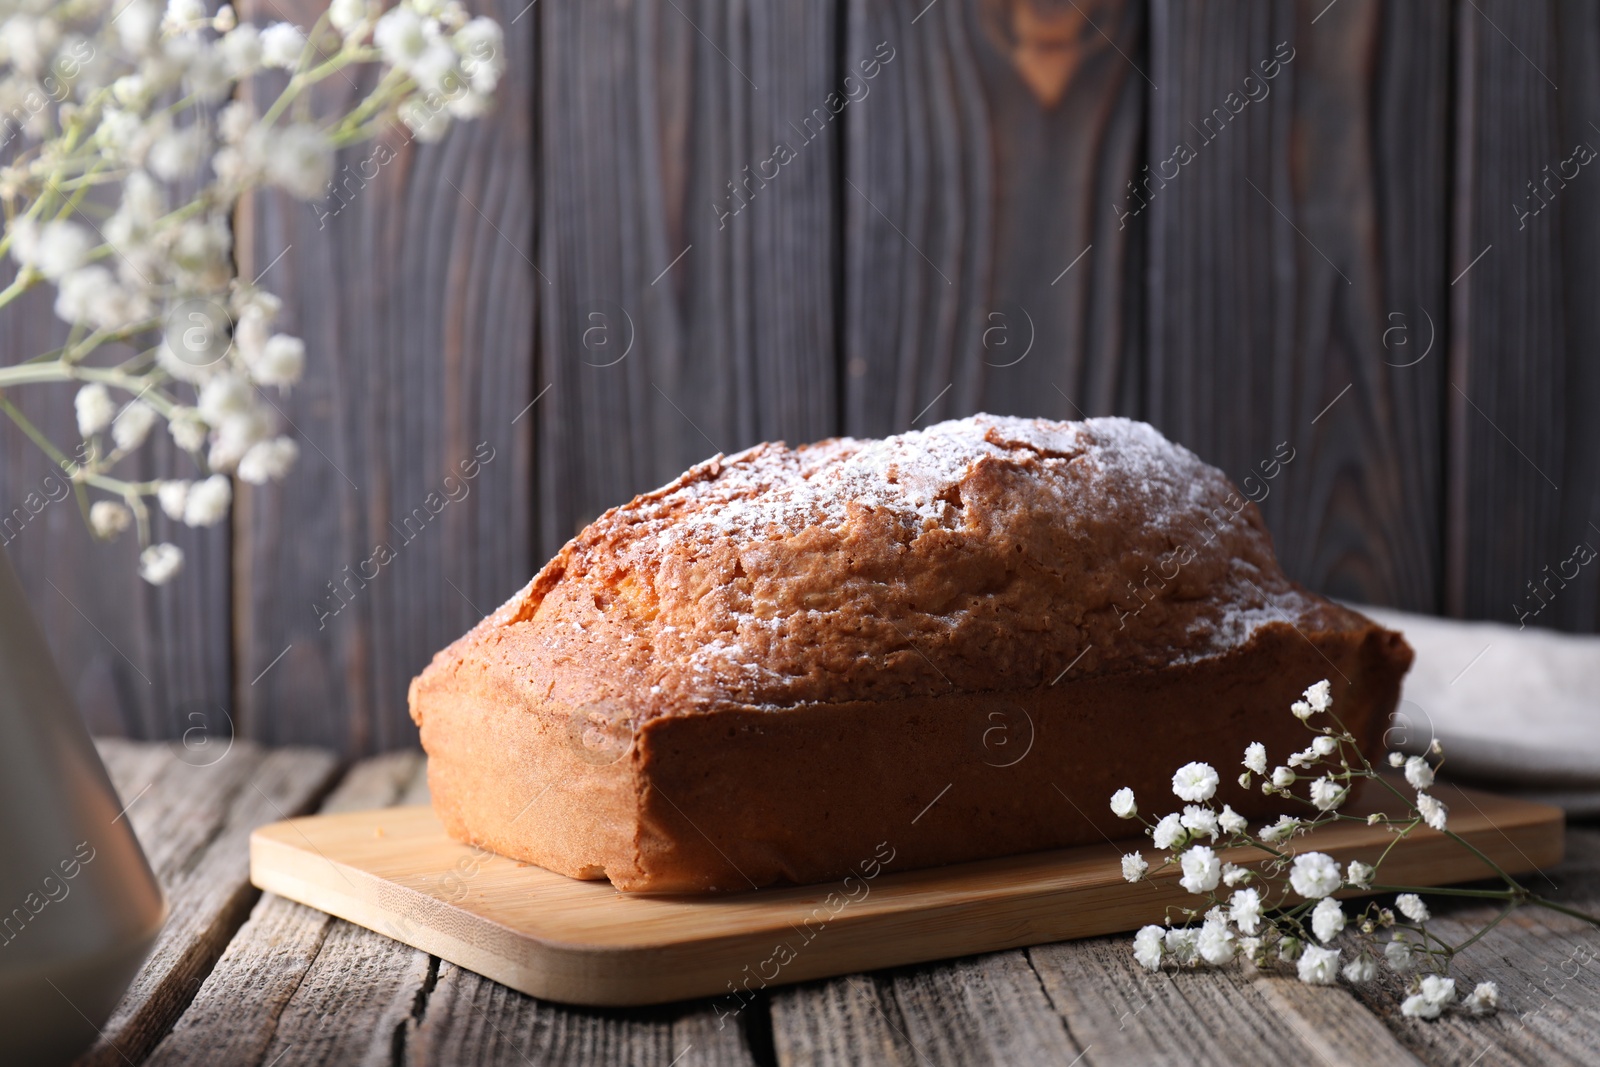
(1282, 909)
(131, 135)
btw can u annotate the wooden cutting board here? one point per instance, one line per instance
(396, 871)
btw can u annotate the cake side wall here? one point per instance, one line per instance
(745, 797)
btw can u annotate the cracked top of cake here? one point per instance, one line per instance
(980, 554)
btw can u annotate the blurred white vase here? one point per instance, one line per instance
(79, 905)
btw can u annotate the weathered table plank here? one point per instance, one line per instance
(292, 974)
(195, 822)
(292, 985)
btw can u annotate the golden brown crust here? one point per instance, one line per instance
(878, 594)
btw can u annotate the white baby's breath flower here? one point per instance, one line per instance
(427, 119)
(1433, 812)
(178, 153)
(132, 425)
(1231, 821)
(1233, 874)
(241, 49)
(1484, 998)
(1314, 875)
(1122, 804)
(1361, 969)
(208, 501)
(1418, 773)
(236, 120)
(268, 460)
(281, 45)
(482, 48)
(347, 15)
(1324, 745)
(1282, 777)
(138, 26)
(1398, 953)
(280, 362)
(159, 563)
(173, 496)
(1358, 874)
(1148, 945)
(225, 20)
(1327, 794)
(107, 518)
(1244, 908)
(222, 396)
(188, 429)
(1327, 919)
(1280, 830)
(1201, 869)
(1201, 821)
(1255, 757)
(181, 13)
(1319, 696)
(1134, 866)
(1182, 944)
(1168, 831)
(1215, 943)
(94, 408)
(234, 438)
(1431, 997)
(1397, 759)
(1412, 907)
(1318, 966)
(61, 246)
(1301, 710)
(1195, 782)
(300, 161)
(399, 35)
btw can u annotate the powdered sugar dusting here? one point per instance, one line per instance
(980, 553)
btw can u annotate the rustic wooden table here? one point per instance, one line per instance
(239, 977)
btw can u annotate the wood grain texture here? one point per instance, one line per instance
(193, 811)
(1547, 967)
(690, 301)
(979, 172)
(1309, 217)
(986, 1009)
(299, 986)
(1525, 367)
(420, 360)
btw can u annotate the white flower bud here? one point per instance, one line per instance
(347, 14)
(1122, 804)
(94, 408)
(158, 563)
(107, 519)
(208, 501)
(225, 20)
(132, 426)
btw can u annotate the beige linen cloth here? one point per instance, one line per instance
(1516, 710)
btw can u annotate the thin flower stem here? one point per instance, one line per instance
(1543, 902)
(1510, 907)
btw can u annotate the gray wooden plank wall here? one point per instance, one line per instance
(674, 239)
